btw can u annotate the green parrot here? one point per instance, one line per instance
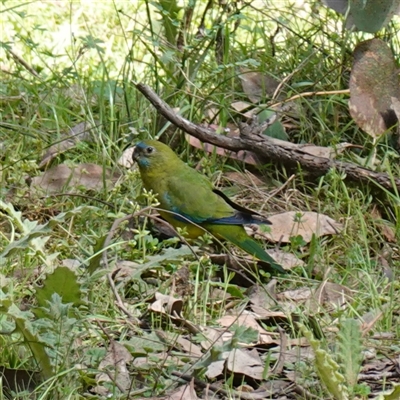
(188, 200)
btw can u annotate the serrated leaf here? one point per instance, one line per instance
(169, 254)
(31, 229)
(169, 11)
(24, 242)
(62, 281)
(32, 339)
(350, 349)
(144, 344)
(327, 368)
(244, 334)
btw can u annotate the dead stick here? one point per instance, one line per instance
(279, 151)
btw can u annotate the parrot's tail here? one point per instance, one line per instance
(248, 244)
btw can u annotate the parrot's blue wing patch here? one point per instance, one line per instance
(232, 220)
(177, 213)
(238, 218)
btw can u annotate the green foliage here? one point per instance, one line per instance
(350, 350)
(394, 395)
(169, 11)
(31, 235)
(29, 231)
(372, 15)
(276, 130)
(327, 368)
(46, 336)
(65, 65)
(28, 329)
(62, 282)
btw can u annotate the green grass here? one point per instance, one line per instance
(77, 62)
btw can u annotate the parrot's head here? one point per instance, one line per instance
(152, 154)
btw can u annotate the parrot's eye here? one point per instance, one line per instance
(149, 150)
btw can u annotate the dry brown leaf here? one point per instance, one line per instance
(388, 232)
(165, 304)
(293, 223)
(247, 319)
(184, 392)
(287, 260)
(263, 296)
(79, 132)
(115, 363)
(329, 294)
(377, 366)
(60, 178)
(243, 319)
(245, 362)
(374, 81)
(256, 85)
(298, 295)
(216, 368)
(181, 343)
(240, 106)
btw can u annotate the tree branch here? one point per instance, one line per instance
(279, 151)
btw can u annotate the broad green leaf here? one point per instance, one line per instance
(276, 130)
(62, 281)
(350, 350)
(372, 15)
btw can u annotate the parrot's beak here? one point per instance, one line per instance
(136, 154)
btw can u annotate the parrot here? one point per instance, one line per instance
(188, 200)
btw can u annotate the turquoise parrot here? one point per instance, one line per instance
(188, 200)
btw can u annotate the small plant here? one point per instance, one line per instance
(327, 368)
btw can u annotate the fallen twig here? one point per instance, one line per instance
(279, 151)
